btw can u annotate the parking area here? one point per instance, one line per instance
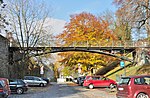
(96, 92)
(65, 90)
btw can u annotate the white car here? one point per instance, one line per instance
(35, 81)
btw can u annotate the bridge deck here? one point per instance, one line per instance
(61, 49)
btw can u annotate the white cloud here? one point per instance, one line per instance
(55, 26)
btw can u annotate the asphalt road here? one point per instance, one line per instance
(63, 90)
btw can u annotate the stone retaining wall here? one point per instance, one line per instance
(4, 54)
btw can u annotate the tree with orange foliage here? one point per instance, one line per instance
(83, 28)
(86, 27)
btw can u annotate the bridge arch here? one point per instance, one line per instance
(91, 51)
(99, 50)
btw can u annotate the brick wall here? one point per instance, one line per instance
(4, 65)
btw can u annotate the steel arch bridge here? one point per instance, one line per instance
(111, 49)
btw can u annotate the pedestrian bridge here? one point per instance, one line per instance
(111, 48)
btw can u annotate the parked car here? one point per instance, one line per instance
(134, 87)
(3, 90)
(46, 79)
(35, 81)
(18, 86)
(6, 82)
(98, 81)
(81, 80)
(69, 78)
(75, 80)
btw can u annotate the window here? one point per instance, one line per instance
(37, 79)
(2, 83)
(12, 82)
(125, 80)
(137, 81)
(96, 78)
(142, 80)
(20, 82)
(89, 78)
(104, 78)
(147, 80)
(28, 78)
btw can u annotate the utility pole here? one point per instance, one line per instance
(124, 65)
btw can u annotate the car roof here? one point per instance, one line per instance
(95, 76)
(15, 79)
(32, 76)
(3, 79)
(136, 76)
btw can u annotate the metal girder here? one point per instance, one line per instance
(110, 51)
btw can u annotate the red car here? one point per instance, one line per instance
(6, 82)
(98, 81)
(134, 87)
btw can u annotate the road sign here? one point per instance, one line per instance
(122, 64)
(42, 70)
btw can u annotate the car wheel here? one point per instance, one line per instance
(91, 86)
(142, 95)
(111, 86)
(42, 85)
(20, 91)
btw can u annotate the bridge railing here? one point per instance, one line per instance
(57, 43)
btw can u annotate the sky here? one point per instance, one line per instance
(62, 9)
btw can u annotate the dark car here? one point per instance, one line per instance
(46, 79)
(3, 90)
(81, 80)
(134, 87)
(18, 86)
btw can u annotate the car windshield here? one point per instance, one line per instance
(1, 84)
(124, 80)
(88, 78)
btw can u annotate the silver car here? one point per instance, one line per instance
(35, 81)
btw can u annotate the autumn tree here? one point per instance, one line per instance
(120, 28)
(27, 19)
(136, 13)
(85, 30)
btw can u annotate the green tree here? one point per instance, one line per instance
(136, 13)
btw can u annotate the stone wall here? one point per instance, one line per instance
(4, 54)
(143, 56)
